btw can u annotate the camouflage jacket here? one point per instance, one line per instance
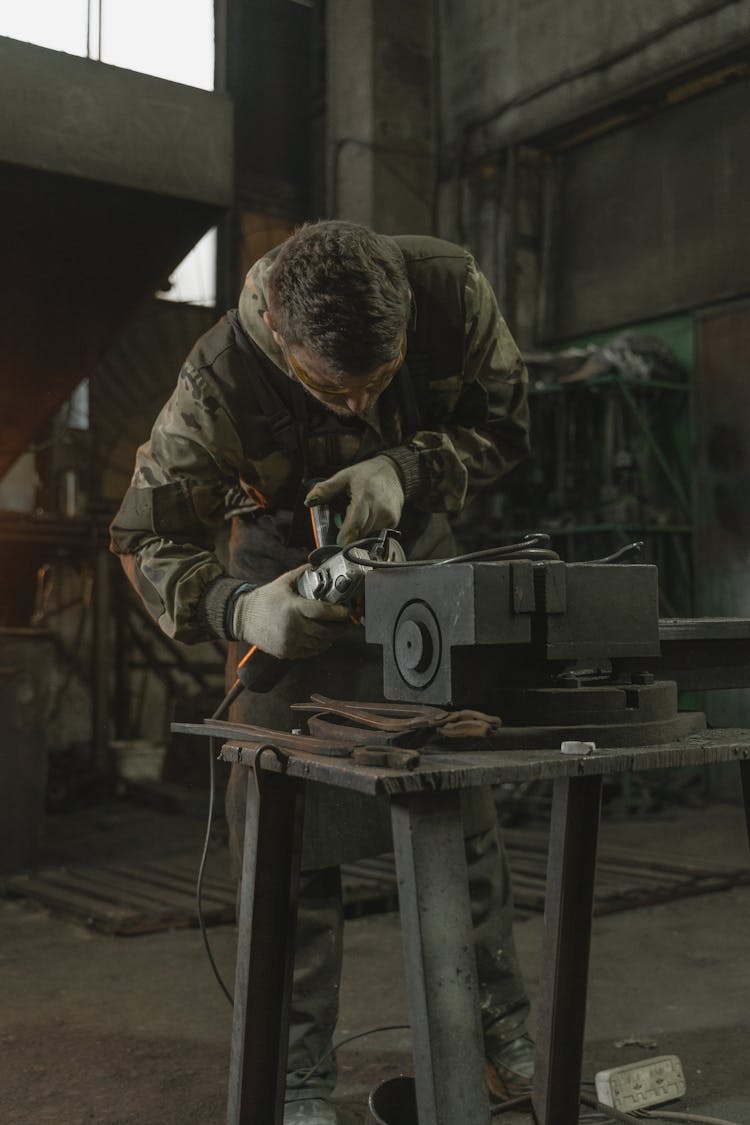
(454, 420)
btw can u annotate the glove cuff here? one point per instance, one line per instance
(408, 465)
(216, 605)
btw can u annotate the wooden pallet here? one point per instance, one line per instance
(145, 897)
(626, 878)
(132, 898)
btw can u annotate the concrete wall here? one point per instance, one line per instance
(525, 87)
(524, 66)
(88, 120)
(380, 147)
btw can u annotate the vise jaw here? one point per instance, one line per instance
(457, 633)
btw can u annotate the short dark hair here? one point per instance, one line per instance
(342, 291)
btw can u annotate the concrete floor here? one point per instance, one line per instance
(98, 1030)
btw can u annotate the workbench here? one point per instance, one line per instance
(435, 914)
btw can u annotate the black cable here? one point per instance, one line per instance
(231, 695)
(514, 1103)
(607, 1110)
(532, 546)
(650, 1115)
(350, 1039)
(199, 884)
(624, 553)
(670, 1115)
(527, 548)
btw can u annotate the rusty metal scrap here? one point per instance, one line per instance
(399, 720)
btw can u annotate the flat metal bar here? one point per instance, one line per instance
(699, 653)
(441, 975)
(265, 950)
(704, 629)
(568, 909)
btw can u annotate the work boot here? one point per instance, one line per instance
(310, 1111)
(511, 1069)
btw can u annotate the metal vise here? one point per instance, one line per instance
(457, 634)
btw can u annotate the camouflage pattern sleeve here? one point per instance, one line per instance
(443, 468)
(166, 527)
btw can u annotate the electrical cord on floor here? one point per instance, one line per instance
(669, 1115)
(648, 1115)
(610, 1114)
(350, 1039)
(514, 1103)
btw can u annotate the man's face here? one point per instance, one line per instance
(345, 395)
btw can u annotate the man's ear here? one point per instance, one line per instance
(270, 325)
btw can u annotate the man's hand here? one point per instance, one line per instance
(279, 621)
(376, 497)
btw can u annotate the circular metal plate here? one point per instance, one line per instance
(417, 644)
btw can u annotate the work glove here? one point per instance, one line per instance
(376, 497)
(281, 622)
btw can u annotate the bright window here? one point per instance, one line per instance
(172, 39)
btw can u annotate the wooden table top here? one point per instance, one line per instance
(441, 769)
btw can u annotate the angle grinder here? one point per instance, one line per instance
(335, 575)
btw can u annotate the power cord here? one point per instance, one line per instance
(350, 1039)
(532, 546)
(612, 1114)
(668, 1115)
(202, 867)
(220, 710)
(648, 1115)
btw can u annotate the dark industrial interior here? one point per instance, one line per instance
(592, 158)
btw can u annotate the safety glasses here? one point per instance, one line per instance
(334, 390)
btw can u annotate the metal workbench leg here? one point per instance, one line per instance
(441, 976)
(565, 951)
(745, 775)
(265, 950)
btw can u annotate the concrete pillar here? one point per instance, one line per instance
(264, 61)
(381, 98)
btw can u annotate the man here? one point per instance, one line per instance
(381, 368)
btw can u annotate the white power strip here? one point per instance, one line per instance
(639, 1085)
